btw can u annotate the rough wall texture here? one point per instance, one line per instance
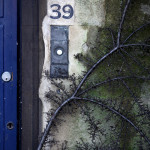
(90, 39)
(78, 33)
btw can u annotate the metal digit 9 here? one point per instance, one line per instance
(70, 11)
(57, 11)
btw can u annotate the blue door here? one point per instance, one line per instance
(8, 74)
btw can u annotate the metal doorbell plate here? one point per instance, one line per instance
(59, 52)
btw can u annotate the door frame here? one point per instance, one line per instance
(29, 73)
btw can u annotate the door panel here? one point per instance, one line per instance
(1, 8)
(8, 62)
(1, 88)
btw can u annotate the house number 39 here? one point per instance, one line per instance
(67, 9)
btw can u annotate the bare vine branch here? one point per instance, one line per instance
(138, 44)
(112, 36)
(136, 100)
(117, 47)
(110, 80)
(122, 21)
(119, 114)
(138, 63)
(50, 123)
(92, 68)
(138, 29)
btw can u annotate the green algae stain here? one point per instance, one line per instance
(116, 64)
(99, 42)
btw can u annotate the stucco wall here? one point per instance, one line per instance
(78, 32)
(86, 37)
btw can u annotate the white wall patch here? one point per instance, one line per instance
(61, 12)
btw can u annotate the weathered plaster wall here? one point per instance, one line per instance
(84, 34)
(88, 15)
(78, 31)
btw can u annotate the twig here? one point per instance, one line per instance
(135, 32)
(93, 67)
(112, 36)
(138, 44)
(110, 80)
(135, 99)
(128, 66)
(122, 21)
(117, 113)
(50, 123)
(58, 85)
(138, 63)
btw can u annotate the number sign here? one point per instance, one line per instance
(61, 12)
(69, 11)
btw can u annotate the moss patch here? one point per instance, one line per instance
(122, 95)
